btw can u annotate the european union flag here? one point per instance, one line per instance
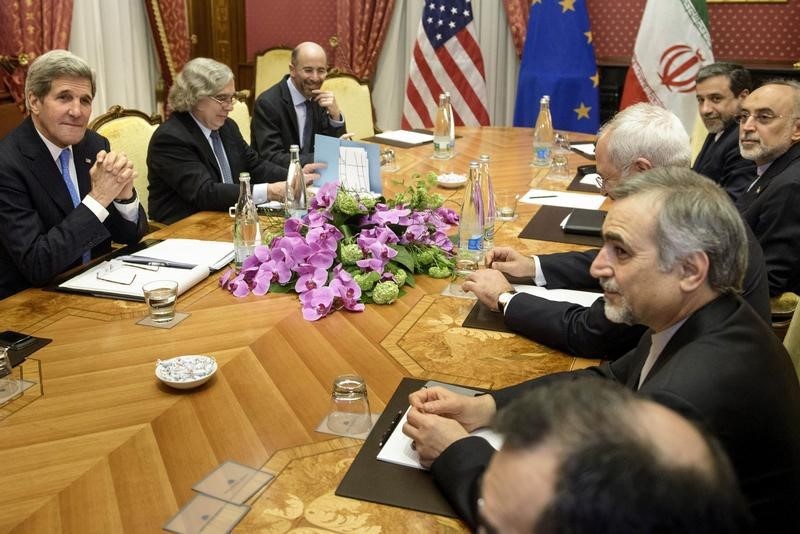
(558, 60)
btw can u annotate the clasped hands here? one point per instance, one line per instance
(489, 283)
(112, 177)
(438, 417)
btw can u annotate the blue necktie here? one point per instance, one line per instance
(63, 158)
(224, 166)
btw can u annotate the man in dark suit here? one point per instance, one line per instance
(294, 109)
(195, 157)
(63, 194)
(565, 446)
(640, 137)
(673, 259)
(721, 89)
(769, 135)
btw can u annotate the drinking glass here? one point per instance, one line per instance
(506, 205)
(161, 296)
(350, 412)
(560, 167)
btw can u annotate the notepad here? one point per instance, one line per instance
(117, 279)
(405, 136)
(397, 449)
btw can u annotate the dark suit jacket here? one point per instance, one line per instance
(587, 332)
(772, 209)
(724, 368)
(274, 127)
(41, 233)
(722, 162)
(183, 173)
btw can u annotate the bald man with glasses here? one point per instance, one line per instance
(769, 135)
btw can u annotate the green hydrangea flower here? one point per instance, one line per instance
(351, 254)
(347, 204)
(400, 275)
(439, 272)
(385, 293)
(366, 280)
(368, 201)
(426, 256)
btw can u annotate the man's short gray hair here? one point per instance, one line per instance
(199, 78)
(650, 132)
(51, 66)
(696, 215)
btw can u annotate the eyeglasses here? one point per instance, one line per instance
(225, 100)
(762, 118)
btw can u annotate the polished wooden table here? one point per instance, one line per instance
(110, 449)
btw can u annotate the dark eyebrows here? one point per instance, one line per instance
(611, 235)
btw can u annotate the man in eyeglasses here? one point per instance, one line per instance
(591, 456)
(195, 157)
(721, 89)
(294, 109)
(769, 135)
(639, 138)
(64, 193)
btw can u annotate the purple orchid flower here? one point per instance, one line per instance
(317, 303)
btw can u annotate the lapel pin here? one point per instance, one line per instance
(88, 161)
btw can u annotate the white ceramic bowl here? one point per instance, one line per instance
(186, 372)
(451, 180)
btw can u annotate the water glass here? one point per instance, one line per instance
(560, 167)
(350, 413)
(464, 267)
(161, 296)
(506, 205)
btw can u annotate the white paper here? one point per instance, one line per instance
(353, 169)
(591, 179)
(545, 197)
(397, 449)
(586, 148)
(205, 255)
(583, 298)
(88, 281)
(212, 254)
(404, 136)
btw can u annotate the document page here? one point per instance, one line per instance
(546, 197)
(404, 136)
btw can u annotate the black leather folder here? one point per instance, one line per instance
(546, 226)
(585, 222)
(370, 479)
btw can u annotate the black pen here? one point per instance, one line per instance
(156, 262)
(386, 435)
(544, 196)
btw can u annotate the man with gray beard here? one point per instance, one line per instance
(673, 260)
(769, 135)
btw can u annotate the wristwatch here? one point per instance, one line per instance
(126, 200)
(503, 300)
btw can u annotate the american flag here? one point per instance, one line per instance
(446, 58)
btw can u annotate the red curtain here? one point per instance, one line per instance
(30, 28)
(361, 27)
(170, 26)
(517, 12)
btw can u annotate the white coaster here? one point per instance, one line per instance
(323, 428)
(179, 316)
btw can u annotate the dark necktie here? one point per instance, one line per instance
(216, 142)
(308, 129)
(63, 159)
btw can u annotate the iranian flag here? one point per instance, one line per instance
(672, 44)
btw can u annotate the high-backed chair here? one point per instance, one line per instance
(129, 131)
(241, 114)
(792, 340)
(271, 65)
(355, 100)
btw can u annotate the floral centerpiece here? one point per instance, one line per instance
(351, 249)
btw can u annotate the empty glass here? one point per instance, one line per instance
(560, 167)
(350, 412)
